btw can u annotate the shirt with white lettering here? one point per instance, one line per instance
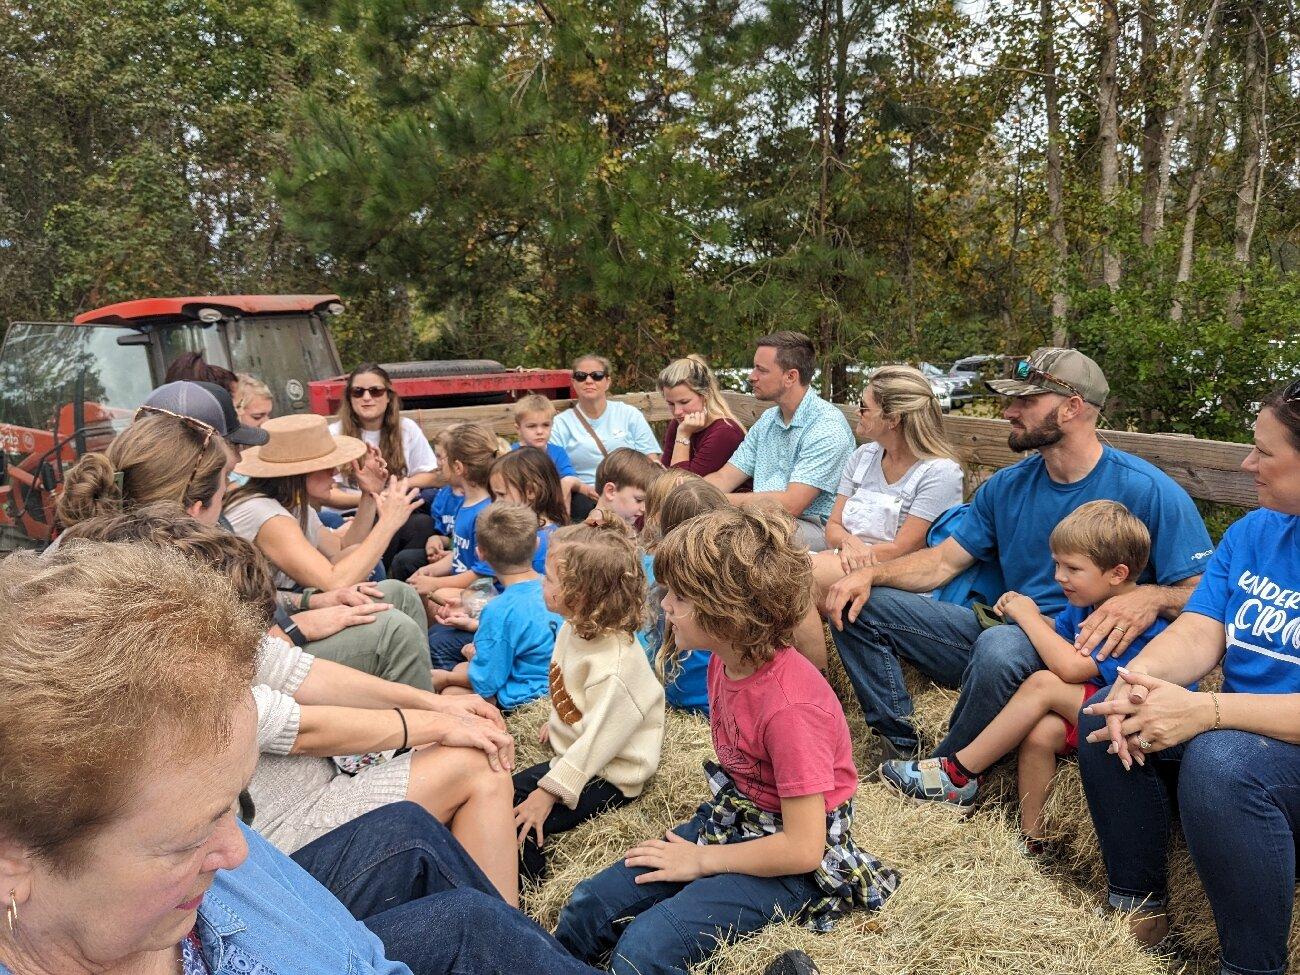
(1252, 587)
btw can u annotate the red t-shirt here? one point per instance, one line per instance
(711, 447)
(780, 732)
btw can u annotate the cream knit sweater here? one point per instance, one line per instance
(607, 715)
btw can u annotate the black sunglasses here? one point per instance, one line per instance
(356, 392)
(580, 376)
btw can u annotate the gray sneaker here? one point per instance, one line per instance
(792, 963)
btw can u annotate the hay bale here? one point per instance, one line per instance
(969, 903)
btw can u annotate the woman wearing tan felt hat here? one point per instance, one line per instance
(292, 471)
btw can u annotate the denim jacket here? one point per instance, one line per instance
(270, 917)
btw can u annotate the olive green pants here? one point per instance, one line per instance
(395, 646)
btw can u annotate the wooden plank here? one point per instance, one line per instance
(1207, 469)
(500, 416)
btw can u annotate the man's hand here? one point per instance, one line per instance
(530, 815)
(317, 624)
(672, 859)
(852, 591)
(1118, 622)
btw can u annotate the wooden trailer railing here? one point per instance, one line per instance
(1209, 470)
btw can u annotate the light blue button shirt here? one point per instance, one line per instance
(811, 449)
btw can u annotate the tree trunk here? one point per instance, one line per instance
(822, 73)
(1187, 78)
(1153, 119)
(1108, 138)
(1202, 138)
(1250, 138)
(1055, 174)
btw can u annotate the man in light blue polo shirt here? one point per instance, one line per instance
(797, 450)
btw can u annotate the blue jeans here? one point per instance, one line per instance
(1237, 795)
(445, 645)
(944, 641)
(672, 926)
(400, 872)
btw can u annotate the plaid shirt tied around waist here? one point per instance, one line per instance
(848, 877)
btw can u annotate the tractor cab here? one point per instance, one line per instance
(69, 388)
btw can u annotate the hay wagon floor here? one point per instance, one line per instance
(970, 902)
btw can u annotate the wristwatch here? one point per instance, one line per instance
(684, 441)
(286, 622)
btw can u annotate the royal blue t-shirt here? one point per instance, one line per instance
(1067, 626)
(513, 646)
(443, 510)
(1012, 516)
(465, 557)
(559, 457)
(543, 543)
(1252, 587)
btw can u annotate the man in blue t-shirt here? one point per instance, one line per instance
(880, 618)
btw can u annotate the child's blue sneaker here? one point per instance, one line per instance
(929, 781)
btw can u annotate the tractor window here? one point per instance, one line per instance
(285, 353)
(46, 368)
(193, 337)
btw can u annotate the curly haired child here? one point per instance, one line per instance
(607, 707)
(773, 841)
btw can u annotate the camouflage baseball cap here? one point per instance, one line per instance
(1051, 370)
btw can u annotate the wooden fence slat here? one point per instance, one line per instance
(1207, 469)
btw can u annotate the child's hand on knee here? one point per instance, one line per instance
(672, 859)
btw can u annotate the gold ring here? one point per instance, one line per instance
(1121, 629)
(1144, 744)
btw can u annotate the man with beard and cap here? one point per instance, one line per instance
(880, 618)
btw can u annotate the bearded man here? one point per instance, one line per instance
(880, 617)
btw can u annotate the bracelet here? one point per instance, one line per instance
(405, 733)
(304, 601)
(1215, 698)
(684, 441)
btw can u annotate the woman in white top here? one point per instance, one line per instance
(371, 411)
(293, 469)
(594, 426)
(896, 484)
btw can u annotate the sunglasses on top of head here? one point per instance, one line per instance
(1292, 393)
(376, 392)
(580, 376)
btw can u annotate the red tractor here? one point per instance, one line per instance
(69, 388)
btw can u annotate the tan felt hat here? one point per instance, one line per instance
(298, 444)
(1054, 370)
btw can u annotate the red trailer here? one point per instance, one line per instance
(464, 383)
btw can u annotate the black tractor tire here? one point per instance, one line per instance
(434, 368)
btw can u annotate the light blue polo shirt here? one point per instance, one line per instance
(811, 449)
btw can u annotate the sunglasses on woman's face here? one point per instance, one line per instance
(580, 376)
(376, 392)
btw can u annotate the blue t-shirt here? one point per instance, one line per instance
(559, 457)
(543, 543)
(689, 689)
(465, 557)
(1012, 516)
(513, 646)
(1068, 623)
(1252, 587)
(443, 508)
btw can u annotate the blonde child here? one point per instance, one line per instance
(527, 476)
(774, 839)
(471, 448)
(1100, 549)
(509, 661)
(676, 497)
(607, 707)
(534, 417)
(622, 480)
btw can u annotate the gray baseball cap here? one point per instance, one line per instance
(1053, 370)
(208, 403)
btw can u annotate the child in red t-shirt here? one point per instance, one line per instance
(774, 839)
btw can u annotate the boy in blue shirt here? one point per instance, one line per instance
(534, 417)
(1099, 551)
(509, 661)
